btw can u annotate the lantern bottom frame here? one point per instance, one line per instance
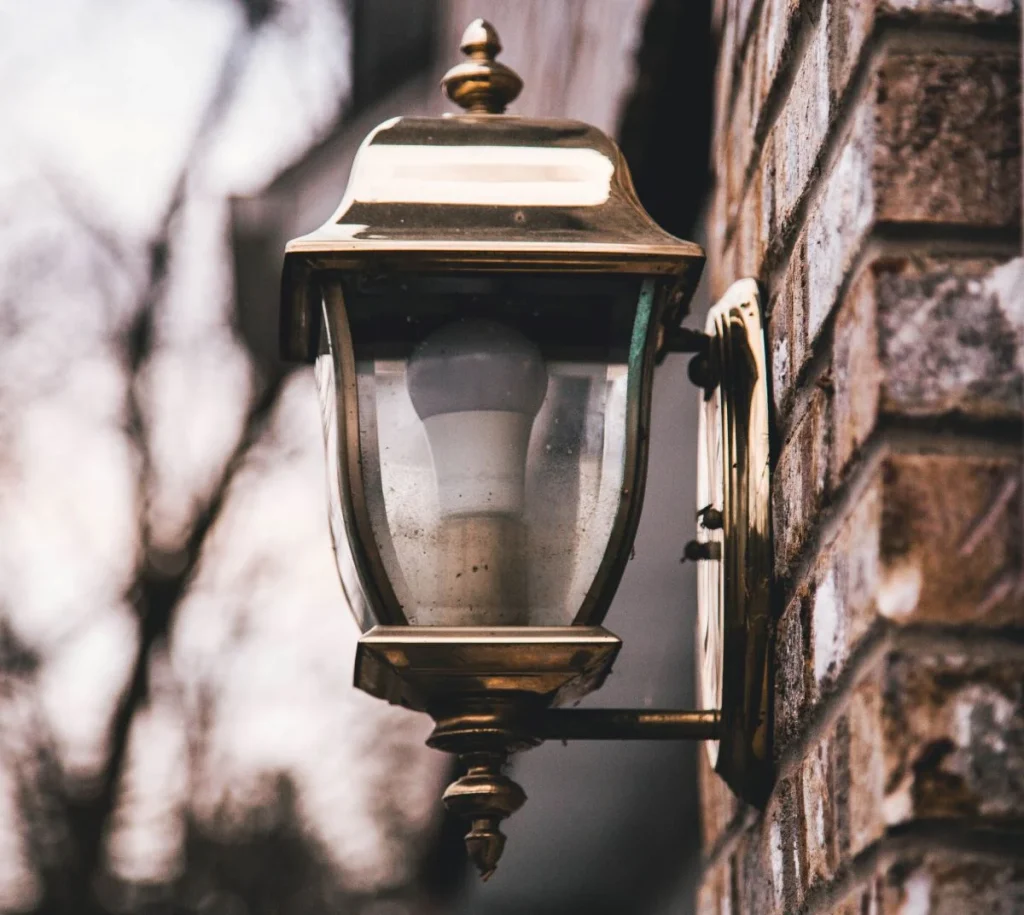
(428, 667)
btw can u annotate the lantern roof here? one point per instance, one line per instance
(493, 189)
(483, 190)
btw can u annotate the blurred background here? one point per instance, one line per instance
(178, 728)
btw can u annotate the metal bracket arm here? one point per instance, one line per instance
(627, 724)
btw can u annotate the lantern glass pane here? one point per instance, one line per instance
(492, 438)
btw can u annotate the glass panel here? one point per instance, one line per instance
(323, 371)
(492, 434)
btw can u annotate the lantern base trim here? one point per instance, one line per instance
(421, 667)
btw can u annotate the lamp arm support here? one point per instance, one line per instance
(628, 724)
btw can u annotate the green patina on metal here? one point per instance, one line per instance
(638, 344)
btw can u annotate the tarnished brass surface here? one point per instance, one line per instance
(481, 85)
(734, 521)
(424, 667)
(480, 192)
(484, 796)
(627, 724)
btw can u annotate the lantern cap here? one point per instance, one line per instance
(481, 191)
(481, 85)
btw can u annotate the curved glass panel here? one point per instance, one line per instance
(492, 437)
(352, 587)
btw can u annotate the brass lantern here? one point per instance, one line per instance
(485, 311)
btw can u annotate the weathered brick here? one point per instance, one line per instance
(798, 483)
(777, 33)
(911, 157)
(853, 23)
(849, 26)
(785, 853)
(864, 807)
(856, 373)
(956, 732)
(713, 894)
(925, 336)
(781, 838)
(930, 539)
(720, 808)
(802, 126)
(739, 142)
(890, 559)
(951, 546)
(948, 130)
(744, 12)
(947, 339)
(841, 591)
(818, 820)
(946, 883)
(934, 734)
(838, 224)
(786, 329)
(791, 687)
(859, 902)
(755, 218)
(955, 11)
(779, 333)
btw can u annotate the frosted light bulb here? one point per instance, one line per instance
(477, 385)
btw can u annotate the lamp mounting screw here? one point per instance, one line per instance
(700, 372)
(696, 550)
(710, 518)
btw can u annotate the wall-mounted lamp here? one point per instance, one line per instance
(485, 310)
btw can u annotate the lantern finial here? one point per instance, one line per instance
(481, 85)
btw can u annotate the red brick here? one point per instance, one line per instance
(781, 839)
(927, 545)
(791, 674)
(786, 329)
(954, 730)
(777, 33)
(857, 373)
(839, 223)
(951, 546)
(853, 23)
(755, 218)
(948, 128)
(798, 483)
(713, 894)
(864, 813)
(929, 539)
(841, 592)
(818, 820)
(945, 883)
(720, 808)
(739, 142)
(934, 734)
(924, 336)
(802, 126)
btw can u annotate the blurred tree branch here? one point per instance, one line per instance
(68, 886)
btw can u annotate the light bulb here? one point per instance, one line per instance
(477, 386)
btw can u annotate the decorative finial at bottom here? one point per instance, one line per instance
(485, 797)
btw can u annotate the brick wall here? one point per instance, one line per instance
(868, 172)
